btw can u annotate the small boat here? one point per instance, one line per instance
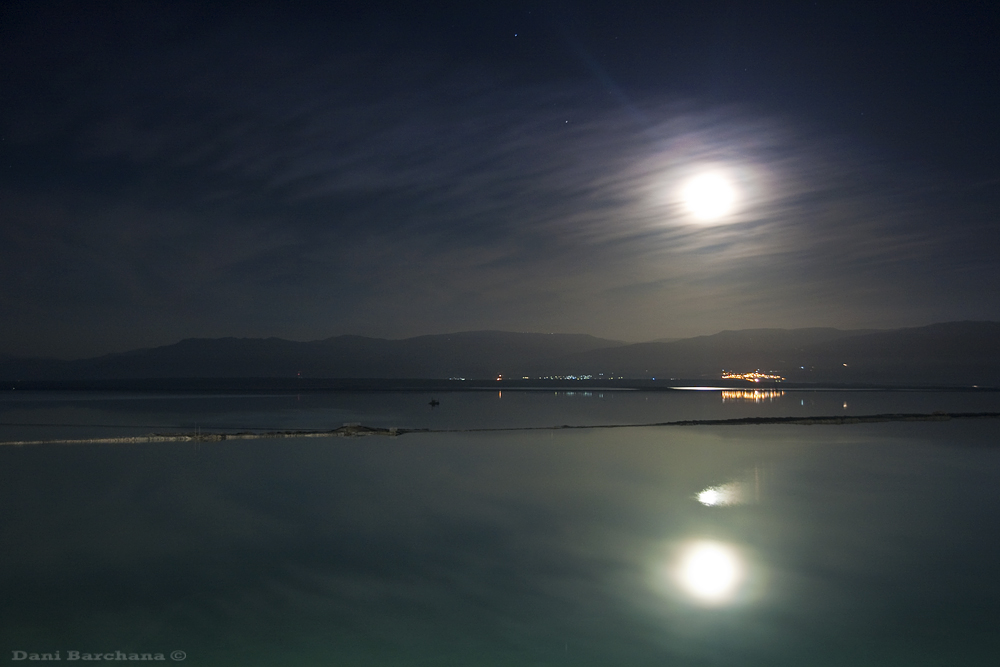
(434, 403)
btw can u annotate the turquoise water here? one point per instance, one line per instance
(766, 545)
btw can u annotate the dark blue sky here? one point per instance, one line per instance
(173, 170)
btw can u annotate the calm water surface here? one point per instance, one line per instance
(769, 545)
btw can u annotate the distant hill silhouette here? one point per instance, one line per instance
(474, 354)
(955, 353)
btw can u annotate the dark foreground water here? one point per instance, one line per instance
(768, 545)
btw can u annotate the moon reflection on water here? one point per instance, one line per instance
(710, 572)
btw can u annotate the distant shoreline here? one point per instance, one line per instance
(358, 430)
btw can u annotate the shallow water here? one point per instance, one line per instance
(28, 415)
(820, 545)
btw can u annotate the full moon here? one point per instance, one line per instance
(709, 196)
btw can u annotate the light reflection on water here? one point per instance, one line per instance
(711, 572)
(751, 395)
(742, 491)
(732, 493)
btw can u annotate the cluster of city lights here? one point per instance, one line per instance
(753, 376)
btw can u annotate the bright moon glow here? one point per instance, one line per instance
(709, 196)
(721, 496)
(710, 572)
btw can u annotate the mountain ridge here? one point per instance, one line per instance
(948, 353)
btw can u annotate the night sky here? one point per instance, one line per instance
(307, 170)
